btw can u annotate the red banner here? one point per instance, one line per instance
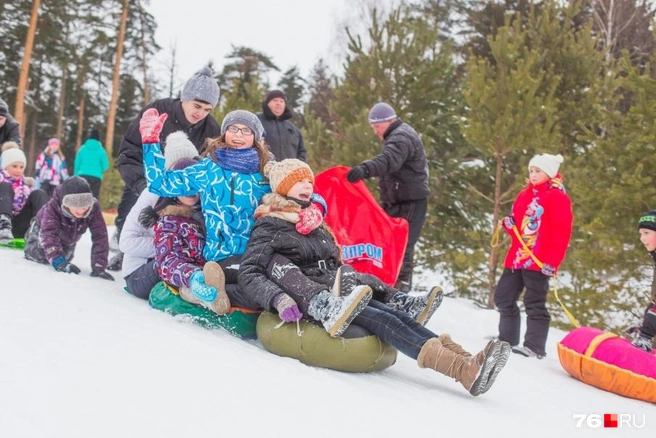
(371, 241)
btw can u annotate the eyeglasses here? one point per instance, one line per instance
(244, 131)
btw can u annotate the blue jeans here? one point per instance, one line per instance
(394, 327)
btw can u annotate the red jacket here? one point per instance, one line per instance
(543, 217)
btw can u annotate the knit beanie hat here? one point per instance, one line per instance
(547, 163)
(202, 86)
(75, 192)
(4, 108)
(94, 134)
(53, 141)
(243, 117)
(273, 94)
(11, 153)
(381, 112)
(648, 220)
(178, 146)
(284, 174)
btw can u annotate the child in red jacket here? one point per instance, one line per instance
(542, 218)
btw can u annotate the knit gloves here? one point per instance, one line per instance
(309, 219)
(62, 265)
(287, 308)
(150, 125)
(201, 290)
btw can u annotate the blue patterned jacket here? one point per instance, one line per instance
(228, 199)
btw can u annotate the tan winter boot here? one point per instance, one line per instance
(436, 356)
(187, 295)
(215, 277)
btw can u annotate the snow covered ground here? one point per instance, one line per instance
(79, 357)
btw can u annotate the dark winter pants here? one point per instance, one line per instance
(141, 281)
(394, 327)
(48, 188)
(509, 288)
(649, 323)
(94, 183)
(33, 249)
(415, 213)
(293, 281)
(21, 222)
(128, 199)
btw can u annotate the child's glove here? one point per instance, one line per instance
(101, 273)
(61, 265)
(356, 174)
(320, 202)
(150, 125)
(508, 223)
(548, 270)
(309, 219)
(287, 308)
(201, 290)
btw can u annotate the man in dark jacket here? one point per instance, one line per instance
(9, 128)
(284, 139)
(403, 172)
(190, 114)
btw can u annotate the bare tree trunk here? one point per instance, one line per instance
(62, 104)
(80, 122)
(111, 117)
(174, 50)
(19, 109)
(496, 209)
(144, 64)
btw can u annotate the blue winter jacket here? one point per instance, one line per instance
(228, 199)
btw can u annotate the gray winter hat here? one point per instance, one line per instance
(202, 86)
(4, 108)
(381, 112)
(245, 118)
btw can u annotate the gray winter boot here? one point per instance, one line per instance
(6, 233)
(336, 313)
(643, 342)
(419, 307)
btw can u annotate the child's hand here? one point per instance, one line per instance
(309, 219)
(150, 125)
(101, 273)
(287, 308)
(61, 265)
(508, 222)
(548, 270)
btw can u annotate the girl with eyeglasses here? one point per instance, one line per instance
(230, 184)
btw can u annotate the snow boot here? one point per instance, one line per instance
(215, 277)
(345, 281)
(419, 307)
(336, 313)
(643, 342)
(6, 233)
(527, 352)
(475, 373)
(116, 263)
(187, 295)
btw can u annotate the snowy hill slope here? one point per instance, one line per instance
(81, 358)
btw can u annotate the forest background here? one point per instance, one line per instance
(487, 84)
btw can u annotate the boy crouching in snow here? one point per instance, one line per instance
(60, 224)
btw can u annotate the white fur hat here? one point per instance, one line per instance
(178, 146)
(547, 163)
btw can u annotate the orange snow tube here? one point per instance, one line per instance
(608, 362)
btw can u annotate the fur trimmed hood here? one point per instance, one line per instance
(278, 206)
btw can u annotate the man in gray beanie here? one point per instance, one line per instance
(403, 172)
(9, 128)
(283, 138)
(190, 114)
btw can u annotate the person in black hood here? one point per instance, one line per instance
(284, 139)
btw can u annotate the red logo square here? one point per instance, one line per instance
(610, 420)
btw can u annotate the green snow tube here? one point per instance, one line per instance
(357, 350)
(239, 322)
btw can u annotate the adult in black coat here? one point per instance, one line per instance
(402, 169)
(190, 113)
(9, 128)
(284, 139)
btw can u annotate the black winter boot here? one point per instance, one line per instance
(6, 233)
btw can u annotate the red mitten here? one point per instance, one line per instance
(309, 219)
(150, 125)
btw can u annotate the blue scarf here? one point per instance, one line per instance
(239, 160)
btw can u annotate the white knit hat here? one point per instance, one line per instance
(11, 154)
(178, 146)
(547, 163)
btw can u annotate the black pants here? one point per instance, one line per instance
(142, 280)
(649, 323)
(21, 222)
(415, 213)
(48, 188)
(128, 199)
(509, 288)
(94, 183)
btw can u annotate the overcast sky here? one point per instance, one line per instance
(292, 32)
